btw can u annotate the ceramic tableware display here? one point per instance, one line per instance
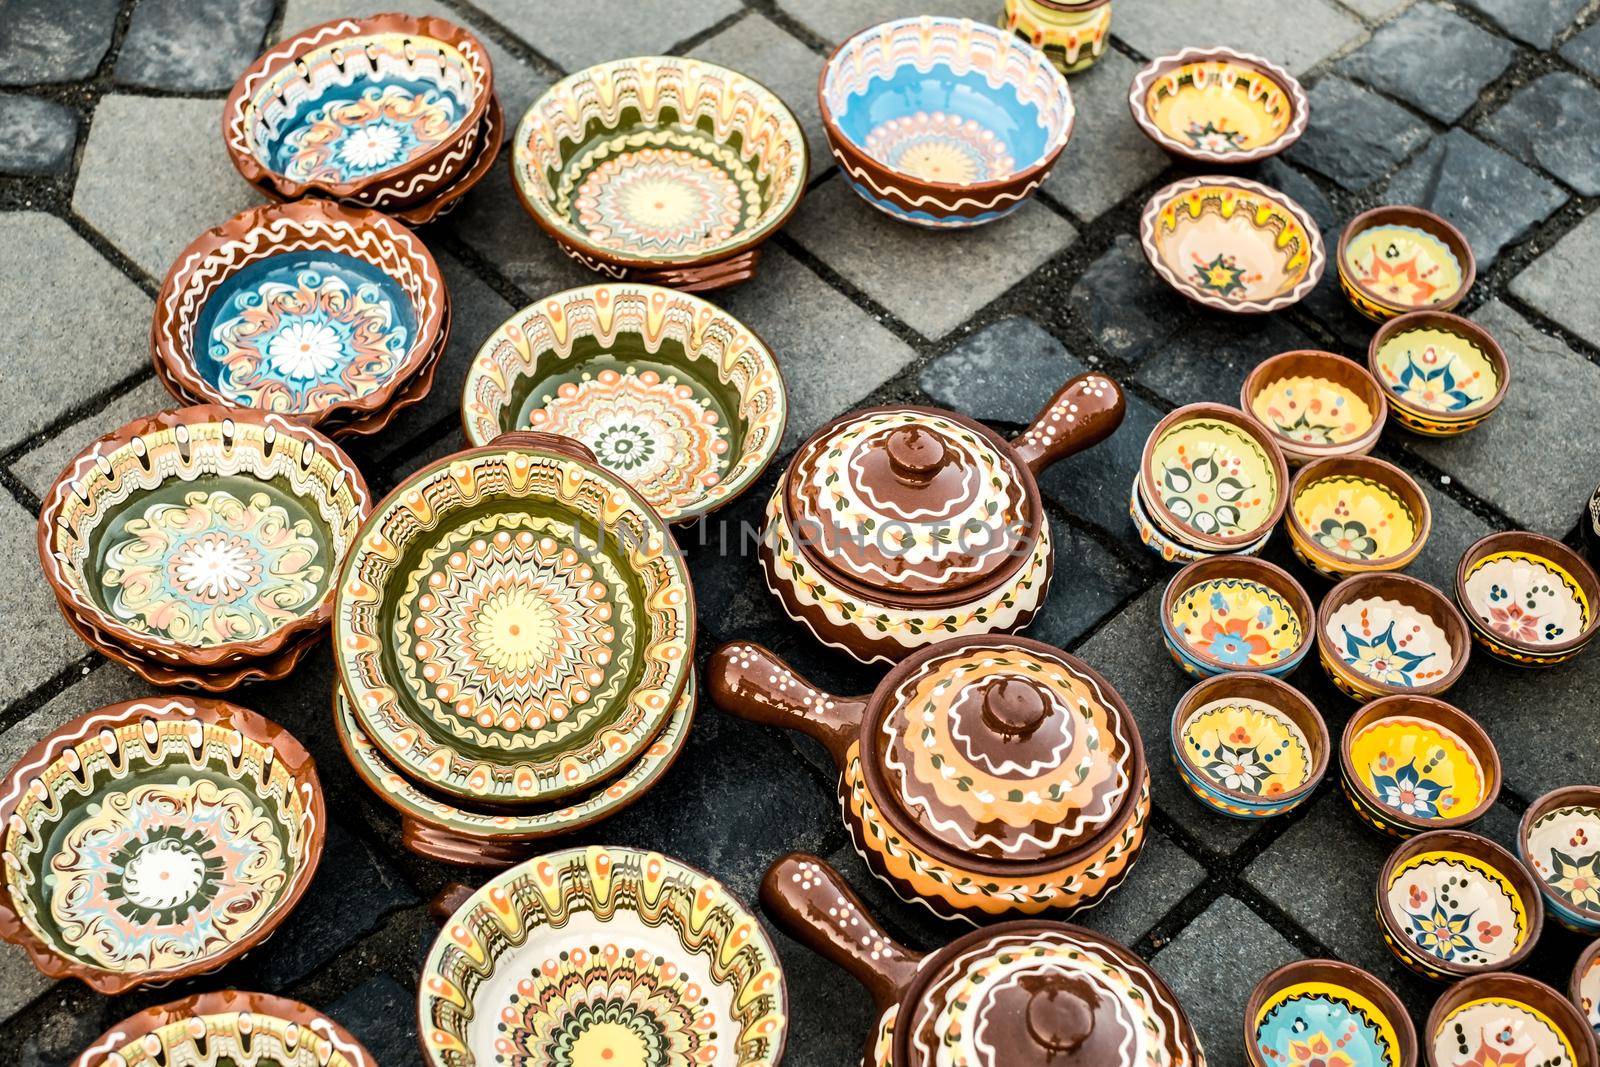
(944, 122)
(1505, 1020)
(1020, 994)
(1312, 1011)
(514, 624)
(1386, 634)
(1218, 106)
(1356, 515)
(895, 527)
(228, 1027)
(1315, 405)
(1529, 599)
(1248, 745)
(1236, 613)
(601, 955)
(1442, 374)
(310, 309)
(1411, 764)
(1231, 244)
(985, 776)
(1559, 840)
(672, 394)
(1393, 260)
(1072, 34)
(387, 112)
(200, 545)
(1584, 989)
(660, 169)
(154, 840)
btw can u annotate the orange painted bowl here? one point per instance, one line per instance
(1249, 746)
(1556, 839)
(1412, 764)
(1218, 106)
(1505, 1019)
(1315, 405)
(1344, 1005)
(1393, 260)
(1236, 613)
(1356, 515)
(1390, 634)
(228, 1026)
(1529, 599)
(1584, 989)
(1442, 374)
(1213, 478)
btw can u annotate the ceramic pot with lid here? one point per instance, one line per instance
(895, 527)
(986, 777)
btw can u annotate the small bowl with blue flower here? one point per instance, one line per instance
(1559, 840)
(1236, 613)
(1390, 634)
(1411, 764)
(1248, 745)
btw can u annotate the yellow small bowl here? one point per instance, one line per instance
(1442, 374)
(1315, 405)
(1215, 105)
(1356, 515)
(1394, 260)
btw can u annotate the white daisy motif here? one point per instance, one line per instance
(305, 349)
(371, 146)
(216, 568)
(1409, 795)
(1237, 769)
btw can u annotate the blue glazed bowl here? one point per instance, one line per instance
(1249, 746)
(1236, 613)
(1559, 841)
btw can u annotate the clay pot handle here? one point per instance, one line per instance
(449, 901)
(1082, 414)
(749, 681)
(548, 442)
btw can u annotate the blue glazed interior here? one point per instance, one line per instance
(1301, 1017)
(275, 142)
(969, 95)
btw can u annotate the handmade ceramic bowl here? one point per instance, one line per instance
(228, 1027)
(943, 122)
(1248, 745)
(896, 527)
(1173, 551)
(1507, 1019)
(1306, 1010)
(1019, 994)
(1212, 478)
(1442, 374)
(155, 839)
(669, 392)
(1235, 613)
(1072, 34)
(1411, 764)
(1584, 990)
(1315, 405)
(1215, 105)
(383, 112)
(1231, 244)
(1390, 634)
(1393, 260)
(1356, 515)
(601, 955)
(490, 139)
(1557, 839)
(204, 537)
(985, 777)
(660, 169)
(1529, 599)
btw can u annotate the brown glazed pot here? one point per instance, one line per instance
(1039, 808)
(1496, 999)
(1034, 990)
(895, 527)
(191, 1029)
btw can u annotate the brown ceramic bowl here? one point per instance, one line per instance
(1530, 600)
(1336, 989)
(1213, 504)
(1218, 106)
(192, 1030)
(1236, 613)
(1442, 374)
(1315, 405)
(491, 138)
(1411, 764)
(1249, 745)
(1584, 989)
(1356, 515)
(1393, 260)
(1557, 840)
(1545, 1027)
(1390, 634)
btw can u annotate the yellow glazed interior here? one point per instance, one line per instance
(1404, 266)
(1437, 371)
(1356, 518)
(1402, 752)
(1247, 747)
(1312, 411)
(1237, 621)
(1219, 107)
(1214, 477)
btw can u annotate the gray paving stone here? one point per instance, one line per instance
(578, 35)
(1211, 360)
(931, 281)
(59, 1031)
(192, 45)
(146, 143)
(1490, 197)
(1432, 58)
(834, 20)
(382, 1014)
(830, 1015)
(1108, 156)
(1099, 581)
(1375, 9)
(758, 47)
(54, 40)
(105, 683)
(1355, 136)
(1125, 304)
(1006, 372)
(491, 221)
(1536, 23)
(36, 135)
(1572, 266)
(38, 468)
(1583, 51)
(41, 382)
(1554, 122)
(1298, 34)
(20, 980)
(1164, 875)
(40, 645)
(1553, 389)
(1455, 528)
(1094, 485)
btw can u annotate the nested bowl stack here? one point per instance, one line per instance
(1315, 405)
(1248, 745)
(1310, 1008)
(1442, 374)
(1412, 764)
(1352, 515)
(1390, 634)
(1072, 34)
(1236, 613)
(1529, 599)
(227, 1027)
(1557, 839)
(1394, 260)
(1504, 1019)
(1218, 106)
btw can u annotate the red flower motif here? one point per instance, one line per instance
(1511, 621)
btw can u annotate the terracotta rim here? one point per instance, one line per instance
(1586, 962)
(1448, 323)
(1438, 713)
(1422, 219)
(1284, 698)
(1415, 594)
(1170, 522)
(1337, 973)
(1146, 77)
(295, 759)
(492, 137)
(1251, 568)
(136, 1026)
(1566, 796)
(1329, 367)
(1517, 987)
(1534, 545)
(1384, 473)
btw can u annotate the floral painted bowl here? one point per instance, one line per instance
(601, 955)
(383, 112)
(229, 1027)
(1507, 1019)
(1443, 374)
(669, 392)
(1390, 634)
(204, 537)
(1412, 764)
(1323, 1010)
(944, 122)
(1584, 990)
(1248, 745)
(1315, 405)
(1212, 478)
(1559, 840)
(1453, 904)
(1236, 613)
(1356, 515)
(491, 137)
(1231, 244)
(1155, 539)
(1072, 34)
(1529, 599)
(155, 839)
(1394, 260)
(660, 169)
(1218, 106)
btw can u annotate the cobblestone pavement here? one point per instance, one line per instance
(1487, 111)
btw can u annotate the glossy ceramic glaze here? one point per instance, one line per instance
(155, 839)
(1383, 634)
(1218, 106)
(1212, 478)
(660, 169)
(1442, 374)
(1530, 599)
(1249, 746)
(1413, 764)
(943, 122)
(1231, 244)
(230, 1027)
(1584, 989)
(1506, 1019)
(1235, 613)
(1559, 840)
(602, 955)
(670, 393)
(1357, 515)
(1315, 405)
(491, 137)
(1155, 538)
(1324, 1011)
(1072, 34)
(1398, 259)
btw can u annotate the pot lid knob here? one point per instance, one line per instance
(1060, 1012)
(916, 454)
(1015, 707)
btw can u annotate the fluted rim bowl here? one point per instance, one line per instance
(188, 1030)
(1435, 396)
(1289, 704)
(1565, 866)
(1289, 596)
(1260, 88)
(1315, 404)
(1392, 284)
(1498, 606)
(1447, 723)
(1337, 977)
(1387, 652)
(1340, 536)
